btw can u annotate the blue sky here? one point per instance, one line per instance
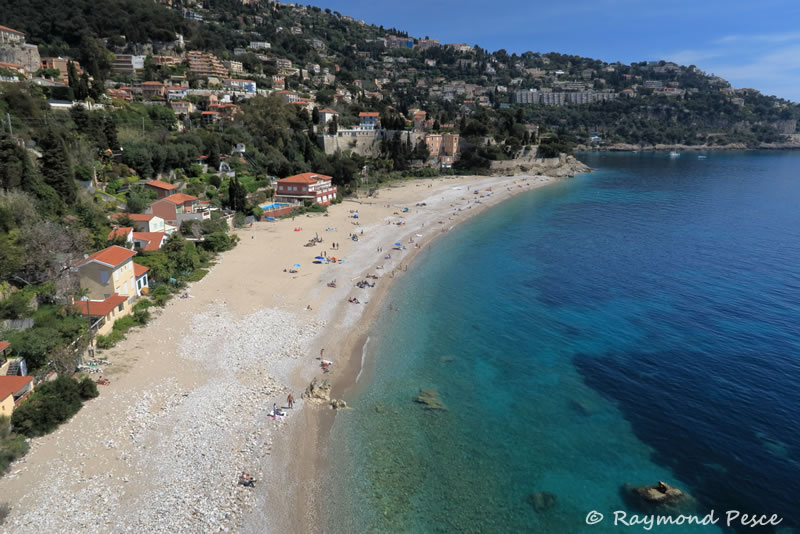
(751, 44)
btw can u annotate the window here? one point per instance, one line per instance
(116, 275)
(104, 277)
(119, 308)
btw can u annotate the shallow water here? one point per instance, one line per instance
(635, 324)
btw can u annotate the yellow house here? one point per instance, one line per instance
(109, 278)
(13, 390)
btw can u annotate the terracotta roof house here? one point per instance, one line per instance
(179, 207)
(162, 189)
(326, 115)
(149, 241)
(109, 281)
(153, 90)
(369, 120)
(122, 234)
(296, 189)
(13, 390)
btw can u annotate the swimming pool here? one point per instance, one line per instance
(273, 206)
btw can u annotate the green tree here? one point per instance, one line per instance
(213, 155)
(137, 199)
(333, 126)
(56, 167)
(72, 76)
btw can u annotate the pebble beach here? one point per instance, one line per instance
(187, 409)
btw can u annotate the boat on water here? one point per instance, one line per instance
(674, 154)
(702, 157)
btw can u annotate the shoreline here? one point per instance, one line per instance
(311, 463)
(625, 147)
(186, 411)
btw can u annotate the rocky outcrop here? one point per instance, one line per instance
(660, 495)
(430, 399)
(318, 392)
(560, 167)
(542, 501)
(338, 404)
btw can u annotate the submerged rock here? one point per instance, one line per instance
(580, 407)
(379, 408)
(318, 391)
(542, 501)
(660, 495)
(430, 398)
(447, 359)
(338, 404)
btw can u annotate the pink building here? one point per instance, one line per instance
(317, 188)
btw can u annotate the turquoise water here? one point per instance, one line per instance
(272, 206)
(635, 324)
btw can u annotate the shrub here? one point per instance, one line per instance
(12, 446)
(219, 242)
(34, 344)
(196, 275)
(87, 388)
(160, 295)
(47, 407)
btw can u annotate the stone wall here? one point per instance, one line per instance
(364, 143)
(26, 55)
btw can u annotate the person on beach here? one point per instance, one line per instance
(274, 409)
(290, 401)
(246, 480)
(321, 352)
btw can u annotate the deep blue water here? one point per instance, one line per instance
(635, 324)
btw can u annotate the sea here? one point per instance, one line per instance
(636, 324)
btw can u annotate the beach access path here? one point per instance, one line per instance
(187, 409)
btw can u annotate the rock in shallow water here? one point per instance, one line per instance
(660, 495)
(430, 398)
(542, 501)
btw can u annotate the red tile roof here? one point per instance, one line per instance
(99, 308)
(180, 198)
(119, 232)
(4, 345)
(111, 256)
(368, 114)
(328, 110)
(159, 184)
(139, 270)
(153, 84)
(11, 384)
(153, 239)
(305, 178)
(6, 28)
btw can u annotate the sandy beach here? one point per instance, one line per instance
(187, 410)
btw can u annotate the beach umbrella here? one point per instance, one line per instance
(319, 258)
(398, 244)
(297, 265)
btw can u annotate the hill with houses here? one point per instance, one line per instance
(147, 130)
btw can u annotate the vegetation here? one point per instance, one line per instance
(12, 446)
(51, 404)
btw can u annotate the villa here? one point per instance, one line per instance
(317, 188)
(13, 390)
(109, 278)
